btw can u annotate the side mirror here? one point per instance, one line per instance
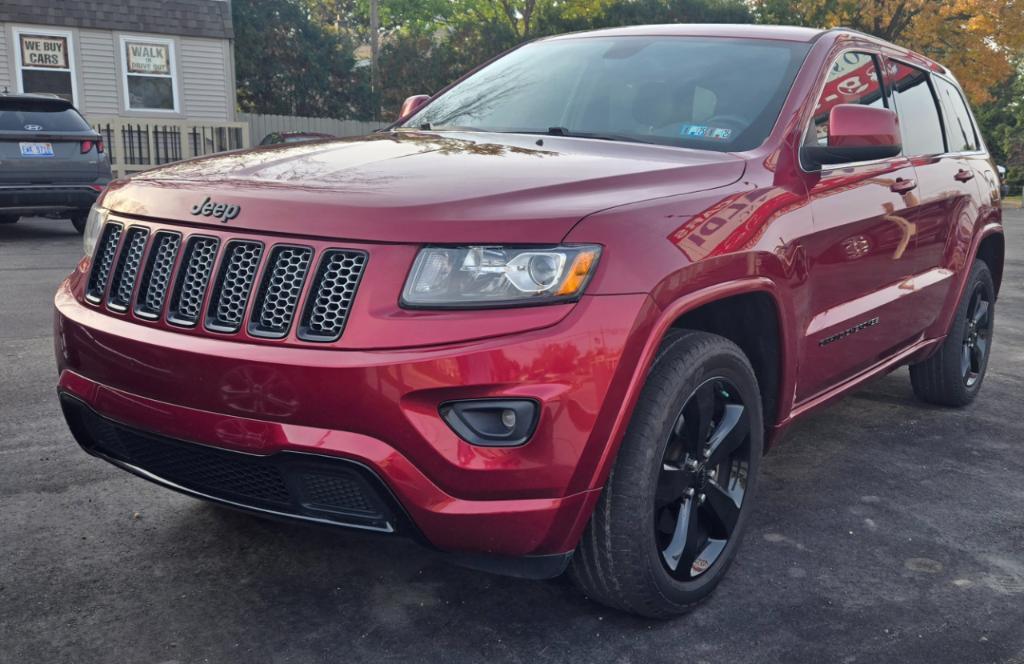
(856, 133)
(413, 104)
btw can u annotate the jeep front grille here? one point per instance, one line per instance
(127, 270)
(235, 286)
(279, 293)
(194, 276)
(329, 303)
(231, 290)
(156, 279)
(106, 249)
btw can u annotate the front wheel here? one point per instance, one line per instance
(953, 375)
(674, 509)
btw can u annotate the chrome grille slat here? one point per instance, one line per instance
(280, 290)
(122, 284)
(233, 285)
(156, 278)
(103, 262)
(331, 295)
(193, 278)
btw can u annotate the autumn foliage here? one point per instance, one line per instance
(979, 40)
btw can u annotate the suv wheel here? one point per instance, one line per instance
(9, 218)
(675, 506)
(953, 375)
(78, 220)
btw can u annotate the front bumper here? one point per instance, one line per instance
(28, 199)
(376, 411)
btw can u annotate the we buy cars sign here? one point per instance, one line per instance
(43, 51)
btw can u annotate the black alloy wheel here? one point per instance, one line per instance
(977, 336)
(953, 374)
(703, 479)
(672, 514)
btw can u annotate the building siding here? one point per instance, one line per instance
(203, 67)
(6, 63)
(205, 78)
(98, 73)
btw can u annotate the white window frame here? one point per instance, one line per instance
(172, 64)
(20, 30)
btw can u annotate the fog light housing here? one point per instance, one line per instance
(492, 422)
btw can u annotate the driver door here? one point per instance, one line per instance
(861, 252)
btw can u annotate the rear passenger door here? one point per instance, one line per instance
(937, 142)
(964, 139)
(862, 248)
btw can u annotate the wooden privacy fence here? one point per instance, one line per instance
(260, 125)
(135, 145)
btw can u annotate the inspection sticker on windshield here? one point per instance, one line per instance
(36, 149)
(703, 131)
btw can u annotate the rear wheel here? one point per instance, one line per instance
(9, 218)
(953, 375)
(674, 509)
(78, 220)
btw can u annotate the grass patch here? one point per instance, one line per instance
(1012, 202)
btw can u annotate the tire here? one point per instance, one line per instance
(623, 560)
(9, 218)
(953, 375)
(78, 220)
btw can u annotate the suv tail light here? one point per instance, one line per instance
(87, 146)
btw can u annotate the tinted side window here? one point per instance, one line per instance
(919, 115)
(959, 128)
(852, 79)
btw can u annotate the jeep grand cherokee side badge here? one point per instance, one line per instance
(221, 211)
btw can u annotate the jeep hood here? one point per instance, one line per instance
(422, 187)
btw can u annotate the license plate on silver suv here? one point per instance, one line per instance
(36, 149)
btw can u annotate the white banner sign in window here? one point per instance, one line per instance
(148, 58)
(43, 51)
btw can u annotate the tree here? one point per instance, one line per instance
(976, 39)
(1002, 124)
(287, 63)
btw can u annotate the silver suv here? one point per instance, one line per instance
(52, 163)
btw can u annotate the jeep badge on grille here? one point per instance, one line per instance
(221, 211)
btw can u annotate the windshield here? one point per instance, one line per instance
(705, 93)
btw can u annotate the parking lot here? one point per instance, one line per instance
(886, 531)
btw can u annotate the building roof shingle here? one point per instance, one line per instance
(192, 18)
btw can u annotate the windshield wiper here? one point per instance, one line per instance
(565, 131)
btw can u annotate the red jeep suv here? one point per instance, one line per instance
(554, 316)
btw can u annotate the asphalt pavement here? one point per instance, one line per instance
(885, 531)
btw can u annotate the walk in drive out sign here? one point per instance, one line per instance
(147, 58)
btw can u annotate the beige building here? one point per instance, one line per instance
(156, 77)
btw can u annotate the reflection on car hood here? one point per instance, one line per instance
(425, 186)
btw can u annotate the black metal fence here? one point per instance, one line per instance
(153, 144)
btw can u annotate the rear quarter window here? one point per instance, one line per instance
(20, 116)
(959, 128)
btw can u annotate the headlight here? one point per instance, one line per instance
(498, 276)
(93, 225)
